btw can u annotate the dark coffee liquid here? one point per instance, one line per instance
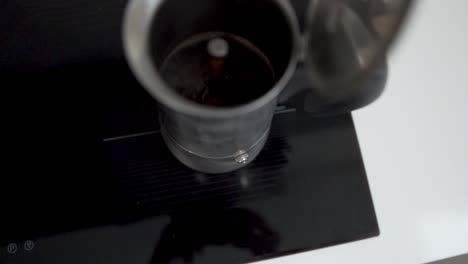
(241, 76)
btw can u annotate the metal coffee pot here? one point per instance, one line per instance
(339, 48)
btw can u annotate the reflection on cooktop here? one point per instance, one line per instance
(189, 234)
(153, 181)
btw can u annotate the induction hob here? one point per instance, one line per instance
(86, 177)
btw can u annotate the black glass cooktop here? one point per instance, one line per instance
(86, 178)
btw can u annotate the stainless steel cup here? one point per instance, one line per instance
(222, 139)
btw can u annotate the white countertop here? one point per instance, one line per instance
(415, 146)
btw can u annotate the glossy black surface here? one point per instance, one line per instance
(306, 190)
(85, 174)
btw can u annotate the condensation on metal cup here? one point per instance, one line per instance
(223, 139)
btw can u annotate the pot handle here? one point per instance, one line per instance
(344, 49)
